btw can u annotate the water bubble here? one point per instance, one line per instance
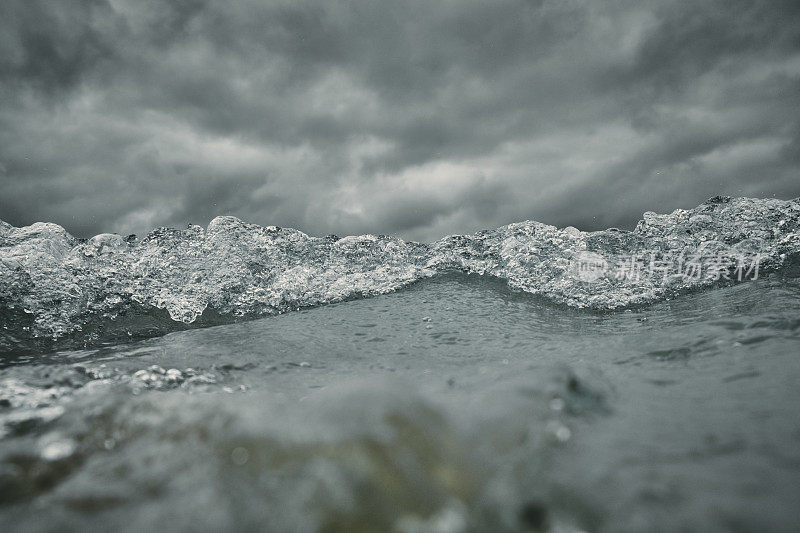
(557, 404)
(558, 430)
(54, 448)
(174, 375)
(240, 456)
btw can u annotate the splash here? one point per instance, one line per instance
(53, 286)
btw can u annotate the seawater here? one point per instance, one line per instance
(248, 378)
(452, 405)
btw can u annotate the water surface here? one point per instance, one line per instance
(455, 404)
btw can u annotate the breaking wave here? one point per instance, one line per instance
(56, 288)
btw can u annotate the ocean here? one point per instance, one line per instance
(527, 378)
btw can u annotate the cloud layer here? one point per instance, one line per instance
(409, 117)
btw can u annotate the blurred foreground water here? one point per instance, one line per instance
(451, 405)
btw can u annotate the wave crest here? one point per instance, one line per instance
(54, 285)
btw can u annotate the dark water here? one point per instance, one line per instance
(454, 404)
(526, 378)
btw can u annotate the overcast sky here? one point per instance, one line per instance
(415, 118)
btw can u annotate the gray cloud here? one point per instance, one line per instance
(413, 117)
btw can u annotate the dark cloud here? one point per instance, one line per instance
(411, 117)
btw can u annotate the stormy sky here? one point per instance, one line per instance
(415, 118)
